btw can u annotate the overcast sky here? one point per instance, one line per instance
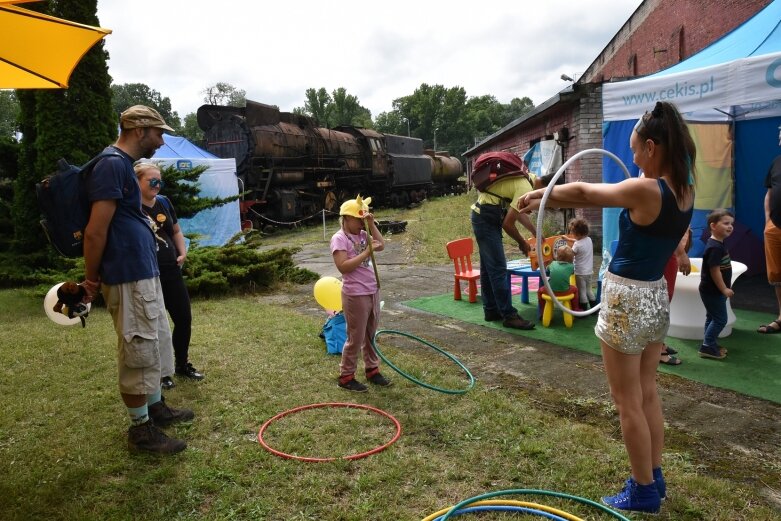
(377, 51)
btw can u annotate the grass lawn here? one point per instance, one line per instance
(63, 444)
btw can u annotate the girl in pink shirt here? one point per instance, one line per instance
(360, 292)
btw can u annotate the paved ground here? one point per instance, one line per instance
(747, 431)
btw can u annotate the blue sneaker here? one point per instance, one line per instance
(635, 498)
(661, 486)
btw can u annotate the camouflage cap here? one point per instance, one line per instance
(141, 116)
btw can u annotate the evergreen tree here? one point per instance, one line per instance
(75, 123)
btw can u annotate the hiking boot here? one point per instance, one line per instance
(492, 316)
(164, 416)
(354, 386)
(712, 352)
(167, 383)
(517, 322)
(378, 379)
(188, 371)
(635, 498)
(148, 438)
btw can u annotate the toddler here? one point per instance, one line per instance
(584, 262)
(715, 282)
(560, 272)
(360, 291)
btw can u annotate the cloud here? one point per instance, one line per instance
(275, 51)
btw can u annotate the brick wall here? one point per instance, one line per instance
(661, 33)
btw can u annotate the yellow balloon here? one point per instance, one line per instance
(328, 293)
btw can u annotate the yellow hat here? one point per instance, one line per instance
(357, 207)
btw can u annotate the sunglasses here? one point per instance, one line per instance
(156, 183)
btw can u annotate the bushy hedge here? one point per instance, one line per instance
(238, 267)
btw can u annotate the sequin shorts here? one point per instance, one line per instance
(634, 313)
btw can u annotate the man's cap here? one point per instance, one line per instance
(141, 116)
(357, 207)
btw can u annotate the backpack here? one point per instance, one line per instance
(493, 166)
(64, 204)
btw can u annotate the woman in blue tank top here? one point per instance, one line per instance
(634, 317)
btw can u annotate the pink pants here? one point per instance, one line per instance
(362, 314)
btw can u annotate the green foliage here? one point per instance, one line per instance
(129, 94)
(9, 158)
(460, 121)
(191, 130)
(240, 267)
(222, 93)
(9, 114)
(335, 109)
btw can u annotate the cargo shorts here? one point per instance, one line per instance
(144, 349)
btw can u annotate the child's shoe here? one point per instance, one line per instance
(711, 352)
(661, 486)
(353, 385)
(635, 498)
(375, 377)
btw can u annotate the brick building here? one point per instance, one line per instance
(659, 34)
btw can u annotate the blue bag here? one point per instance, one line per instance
(334, 333)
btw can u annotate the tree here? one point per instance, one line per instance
(129, 94)
(76, 123)
(9, 115)
(191, 130)
(335, 109)
(222, 93)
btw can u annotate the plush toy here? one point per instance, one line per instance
(69, 301)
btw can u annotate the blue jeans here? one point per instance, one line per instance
(715, 316)
(494, 284)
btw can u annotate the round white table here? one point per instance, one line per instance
(687, 313)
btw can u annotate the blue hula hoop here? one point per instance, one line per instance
(412, 378)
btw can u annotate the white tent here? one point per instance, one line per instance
(215, 226)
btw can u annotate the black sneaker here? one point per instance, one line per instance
(167, 383)
(163, 416)
(711, 352)
(378, 379)
(148, 438)
(517, 322)
(188, 371)
(354, 386)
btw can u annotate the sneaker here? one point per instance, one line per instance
(378, 379)
(661, 486)
(167, 383)
(163, 416)
(635, 498)
(711, 352)
(354, 386)
(517, 322)
(492, 316)
(148, 438)
(188, 371)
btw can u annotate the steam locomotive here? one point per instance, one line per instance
(291, 169)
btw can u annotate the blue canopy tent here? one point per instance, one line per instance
(214, 226)
(730, 93)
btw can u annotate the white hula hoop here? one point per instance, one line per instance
(541, 213)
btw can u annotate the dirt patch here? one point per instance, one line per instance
(732, 436)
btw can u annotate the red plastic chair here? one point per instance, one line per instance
(460, 250)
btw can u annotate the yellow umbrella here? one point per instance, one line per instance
(39, 51)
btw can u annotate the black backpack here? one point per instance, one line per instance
(62, 199)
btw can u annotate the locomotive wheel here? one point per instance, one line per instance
(330, 201)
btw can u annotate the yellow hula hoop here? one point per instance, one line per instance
(512, 503)
(546, 249)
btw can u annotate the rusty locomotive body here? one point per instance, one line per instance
(291, 169)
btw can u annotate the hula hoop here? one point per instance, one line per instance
(322, 405)
(585, 501)
(501, 508)
(412, 378)
(548, 190)
(437, 516)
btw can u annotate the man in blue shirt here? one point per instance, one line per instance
(120, 259)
